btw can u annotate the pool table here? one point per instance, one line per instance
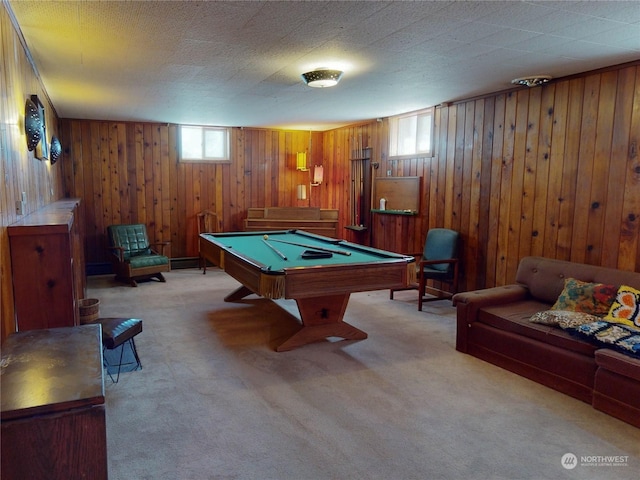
(319, 273)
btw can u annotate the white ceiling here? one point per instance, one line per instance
(233, 63)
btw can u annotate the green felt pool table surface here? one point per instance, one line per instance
(252, 245)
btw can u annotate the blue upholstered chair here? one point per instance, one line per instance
(133, 257)
(439, 261)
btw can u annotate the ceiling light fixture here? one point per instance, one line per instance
(322, 77)
(532, 81)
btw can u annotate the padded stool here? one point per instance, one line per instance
(115, 333)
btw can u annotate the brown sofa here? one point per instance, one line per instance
(493, 325)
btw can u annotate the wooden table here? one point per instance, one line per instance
(320, 286)
(53, 416)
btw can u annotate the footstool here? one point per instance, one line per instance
(115, 333)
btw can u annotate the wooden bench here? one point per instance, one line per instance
(311, 219)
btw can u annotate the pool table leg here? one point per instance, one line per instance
(322, 317)
(238, 294)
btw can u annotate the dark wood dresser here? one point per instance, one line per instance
(53, 414)
(47, 264)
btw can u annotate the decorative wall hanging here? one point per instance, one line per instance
(32, 125)
(56, 150)
(42, 149)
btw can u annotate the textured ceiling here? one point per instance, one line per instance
(239, 63)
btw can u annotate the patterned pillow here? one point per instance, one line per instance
(562, 318)
(579, 296)
(626, 307)
(623, 338)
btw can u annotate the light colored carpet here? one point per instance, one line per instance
(215, 401)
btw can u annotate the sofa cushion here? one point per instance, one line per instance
(562, 318)
(626, 307)
(587, 297)
(148, 261)
(515, 318)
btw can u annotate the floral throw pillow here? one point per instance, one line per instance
(592, 298)
(562, 318)
(626, 307)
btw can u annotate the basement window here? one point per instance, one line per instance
(204, 144)
(411, 135)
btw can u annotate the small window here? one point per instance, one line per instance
(204, 144)
(411, 134)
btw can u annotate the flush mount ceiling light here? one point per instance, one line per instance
(322, 77)
(532, 81)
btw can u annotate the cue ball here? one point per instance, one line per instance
(265, 237)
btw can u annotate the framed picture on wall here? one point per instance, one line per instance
(42, 149)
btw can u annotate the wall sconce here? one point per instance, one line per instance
(32, 125)
(55, 152)
(302, 192)
(42, 147)
(318, 175)
(301, 161)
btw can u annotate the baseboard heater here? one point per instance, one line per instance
(105, 268)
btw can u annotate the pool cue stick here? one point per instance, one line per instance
(314, 247)
(278, 252)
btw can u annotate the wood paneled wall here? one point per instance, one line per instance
(130, 173)
(20, 171)
(551, 171)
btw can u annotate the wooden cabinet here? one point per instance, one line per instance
(321, 221)
(53, 415)
(47, 264)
